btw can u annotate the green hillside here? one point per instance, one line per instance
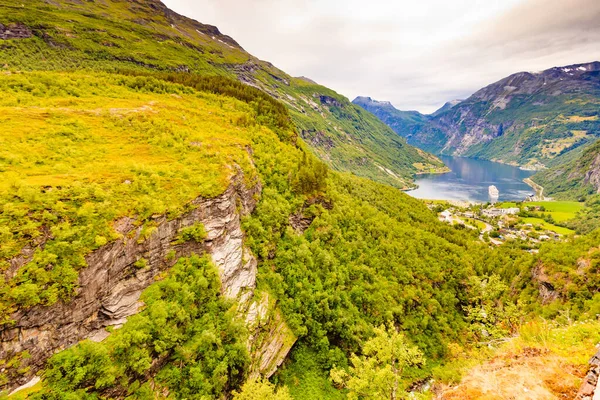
(121, 35)
(82, 150)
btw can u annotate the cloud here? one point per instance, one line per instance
(418, 55)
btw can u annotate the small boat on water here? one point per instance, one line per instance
(494, 192)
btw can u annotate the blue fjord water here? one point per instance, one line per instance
(470, 180)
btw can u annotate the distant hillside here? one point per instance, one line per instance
(146, 35)
(404, 123)
(576, 178)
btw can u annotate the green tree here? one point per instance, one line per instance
(258, 389)
(311, 176)
(377, 374)
(490, 314)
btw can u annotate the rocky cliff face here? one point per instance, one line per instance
(590, 389)
(111, 285)
(592, 176)
(14, 31)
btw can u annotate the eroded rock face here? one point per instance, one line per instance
(270, 338)
(592, 176)
(318, 139)
(547, 291)
(330, 101)
(111, 285)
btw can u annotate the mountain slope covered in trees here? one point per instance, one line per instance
(146, 35)
(573, 179)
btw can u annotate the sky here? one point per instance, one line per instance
(418, 54)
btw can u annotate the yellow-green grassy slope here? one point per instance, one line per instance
(79, 150)
(145, 35)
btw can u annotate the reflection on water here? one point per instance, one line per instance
(470, 180)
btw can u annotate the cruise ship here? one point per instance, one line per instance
(494, 192)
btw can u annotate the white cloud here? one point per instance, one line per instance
(417, 54)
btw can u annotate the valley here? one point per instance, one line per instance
(180, 219)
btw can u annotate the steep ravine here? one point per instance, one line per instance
(111, 285)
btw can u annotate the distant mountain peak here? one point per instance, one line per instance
(447, 106)
(368, 100)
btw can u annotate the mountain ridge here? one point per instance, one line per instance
(64, 34)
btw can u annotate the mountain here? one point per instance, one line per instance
(167, 234)
(446, 107)
(527, 119)
(404, 123)
(146, 35)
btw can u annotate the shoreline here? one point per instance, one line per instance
(539, 190)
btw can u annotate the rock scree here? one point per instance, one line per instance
(14, 31)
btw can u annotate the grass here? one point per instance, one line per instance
(25, 393)
(473, 222)
(565, 207)
(544, 362)
(560, 211)
(570, 211)
(545, 225)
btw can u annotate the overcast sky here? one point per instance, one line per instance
(418, 54)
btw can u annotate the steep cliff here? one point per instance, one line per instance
(129, 175)
(111, 285)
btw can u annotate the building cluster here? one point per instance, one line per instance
(498, 212)
(501, 224)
